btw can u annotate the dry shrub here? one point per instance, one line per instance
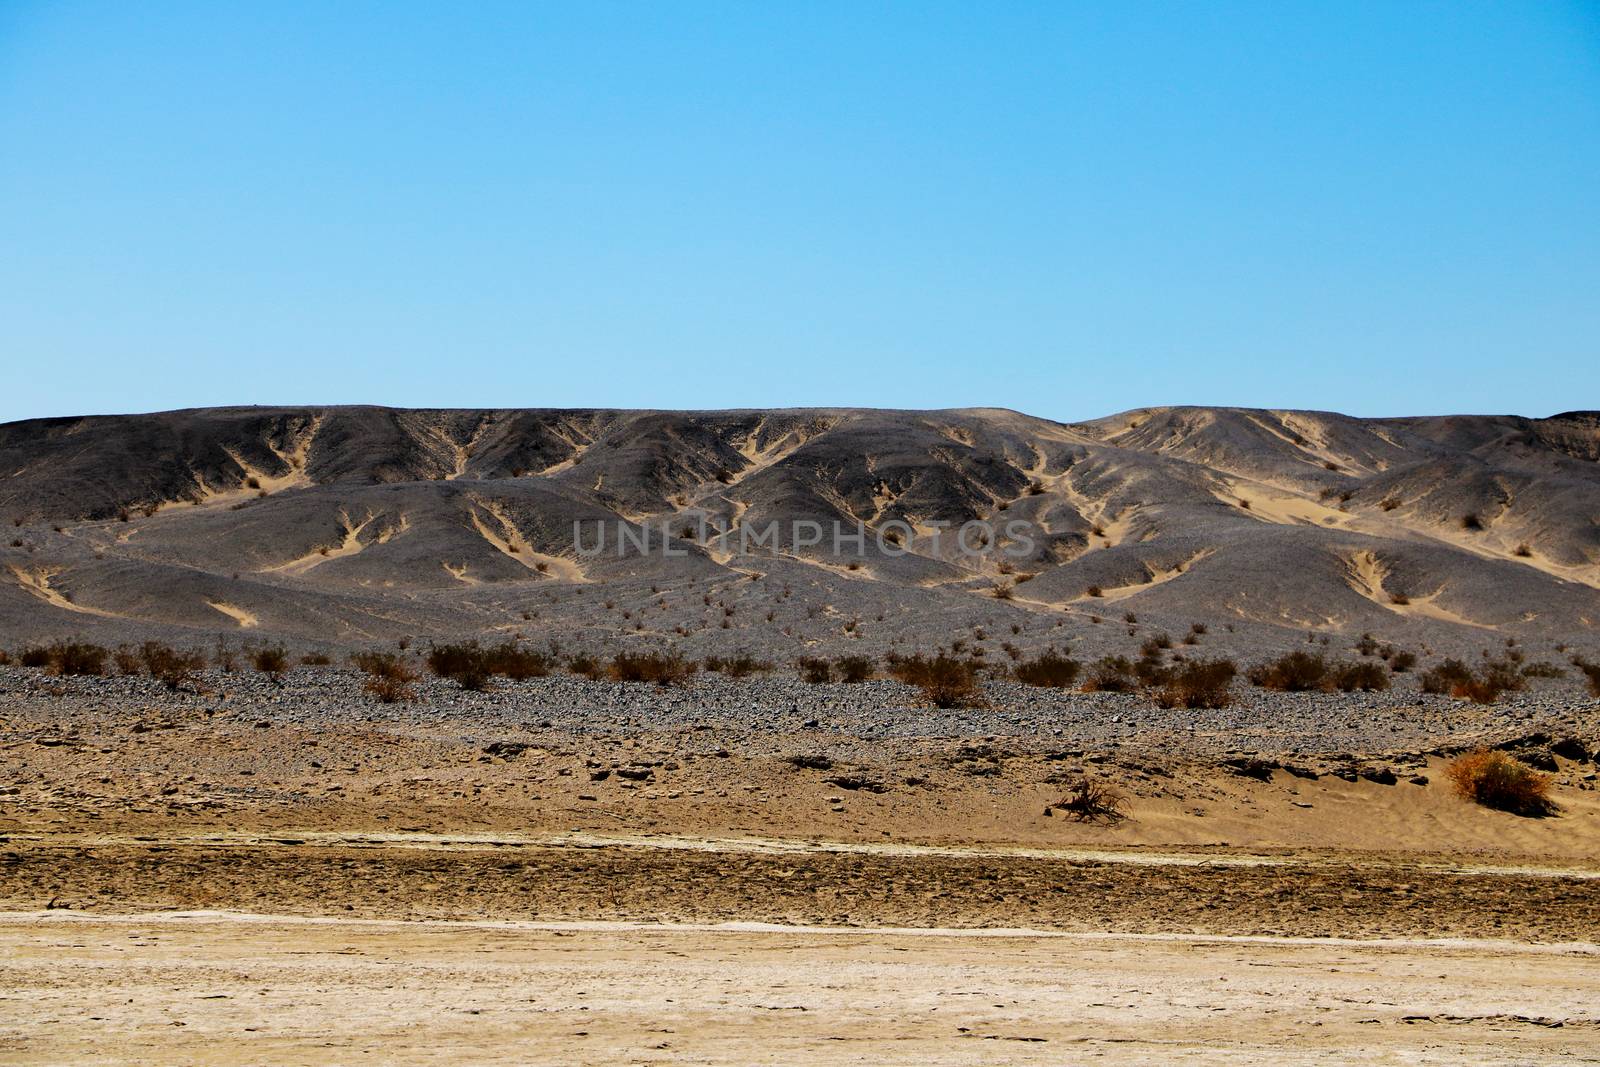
(1523, 551)
(1446, 676)
(662, 668)
(1111, 674)
(1091, 801)
(1198, 684)
(1049, 669)
(1542, 669)
(511, 660)
(389, 678)
(1591, 671)
(127, 661)
(586, 666)
(945, 680)
(1485, 685)
(1400, 662)
(273, 661)
(68, 658)
(466, 664)
(1498, 781)
(170, 667)
(854, 669)
(1365, 676)
(316, 659)
(814, 670)
(739, 666)
(1095, 590)
(1295, 672)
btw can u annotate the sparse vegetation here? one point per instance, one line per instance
(661, 668)
(854, 669)
(814, 670)
(738, 666)
(1364, 676)
(1498, 781)
(1523, 550)
(1092, 801)
(586, 666)
(170, 667)
(945, 680)
(1198, 684)
(1095, 591)
(271, 660)
(1295, 672)
(1048, 669)
(1591, 672)
(67, 658)
(1470, 521)
(1492, 679)
(389, 677)
(1111, 674)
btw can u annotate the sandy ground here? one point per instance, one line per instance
(230, 892)
(232, 989)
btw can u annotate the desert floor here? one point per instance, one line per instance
(200, 885)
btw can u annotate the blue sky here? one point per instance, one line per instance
(1069, 209)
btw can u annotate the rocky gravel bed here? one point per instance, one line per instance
(763, 708)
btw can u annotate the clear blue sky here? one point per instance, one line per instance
(1070, 209)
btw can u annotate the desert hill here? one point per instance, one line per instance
(346, 526)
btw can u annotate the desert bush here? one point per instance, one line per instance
(5, 658)
(1523, 550)
(389, 677)
(68, 658)
(854, 669)
(738, 666)
(272, 660)
(1198, 684)
(1092, 801)
(814, 670)
(1487, 684)
(316, 659)
(127, 661)
(586, 666)
(1591, 672)
(1365, 676)
(662, 668)
(1295, 672)
(1543, 670)
(1446, 676)
(511, 660)
(1400, 662)
(945, 680)
(1002, 590)
(466, 664)
(1498, 781)
(169, 666)
(1095, 590)
(1470, 521)
(1048, 669)
(1111, 674)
